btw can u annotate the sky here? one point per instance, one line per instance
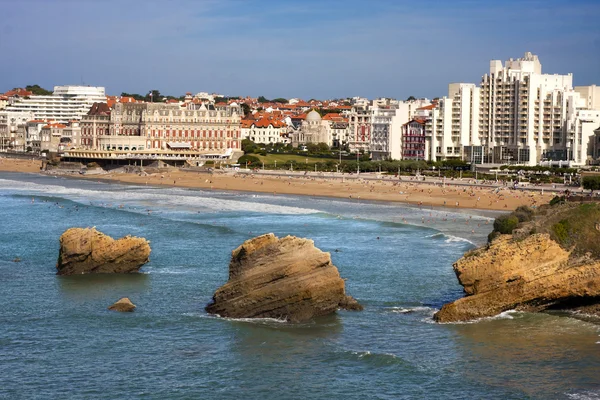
(308, 49)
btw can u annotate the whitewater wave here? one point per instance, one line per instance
(456, 239)
(150, 198)
(509, 314)
(247, 320)
(410, 310)
(584, 396)
(165, 271)
(449, 238)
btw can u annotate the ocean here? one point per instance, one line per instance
(58, 340)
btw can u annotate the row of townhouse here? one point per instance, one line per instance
(276, 126)
(21, 132)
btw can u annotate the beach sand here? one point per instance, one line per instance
(406, 191)
(19, 165)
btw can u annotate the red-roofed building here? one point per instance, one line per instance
(265, 128)
(413, 140)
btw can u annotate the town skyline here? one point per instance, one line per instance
(320, 50)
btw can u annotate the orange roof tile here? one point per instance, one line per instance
(54, 125)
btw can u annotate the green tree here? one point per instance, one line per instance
(153, 96)
(322, 147)
(312, 148)
(251, 160)
(134, 95)
(591, 182)
(505, 224)
(36, 89)
(411, 98)
(280, 100)
(248, 146)
(245, 109)
(263, 99)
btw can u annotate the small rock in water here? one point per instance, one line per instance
(123, 305)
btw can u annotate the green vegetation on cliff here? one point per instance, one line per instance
(574, 226)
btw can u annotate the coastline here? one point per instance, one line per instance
(448, 196)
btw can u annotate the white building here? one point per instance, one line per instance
(13, 130)
(523, 112)
(65, 104)
(590, 95)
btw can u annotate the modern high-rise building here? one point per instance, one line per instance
(66, 103)
(517, 116)
(523, 112)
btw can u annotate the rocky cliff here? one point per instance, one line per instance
(555, 269)
(86, 251)
(287, 278)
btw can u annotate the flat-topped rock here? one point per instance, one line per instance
(88, 251)
(287, 278)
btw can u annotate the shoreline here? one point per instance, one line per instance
(462, 195)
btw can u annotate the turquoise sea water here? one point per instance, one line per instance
(58, 340)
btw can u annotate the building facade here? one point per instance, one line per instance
(413, 140)
(65, 104)
(163, 126)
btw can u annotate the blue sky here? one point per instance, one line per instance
(309, 49)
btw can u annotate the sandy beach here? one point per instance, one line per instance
(405, 190)
(19, 165)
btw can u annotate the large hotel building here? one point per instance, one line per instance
(144, 126)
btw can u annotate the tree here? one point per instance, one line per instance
(245, 109)
(36, 89)
(505, 224)
(153, 96)
(312, 148)
(280, 100)
(411, 98)
(322, 147)
(591, 182)
(134, 95)
(248, 146)
(249, 159)
(263, 99)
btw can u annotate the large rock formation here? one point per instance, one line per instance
(530, 273)
(87, 251)
(123, 305)
(286, 278)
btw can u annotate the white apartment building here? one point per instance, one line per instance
(523, 112)
(13, 131)
(387, 121)
(518, 116)
(360, 127)
(65, 104)
(453, 123)
(590, 95)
